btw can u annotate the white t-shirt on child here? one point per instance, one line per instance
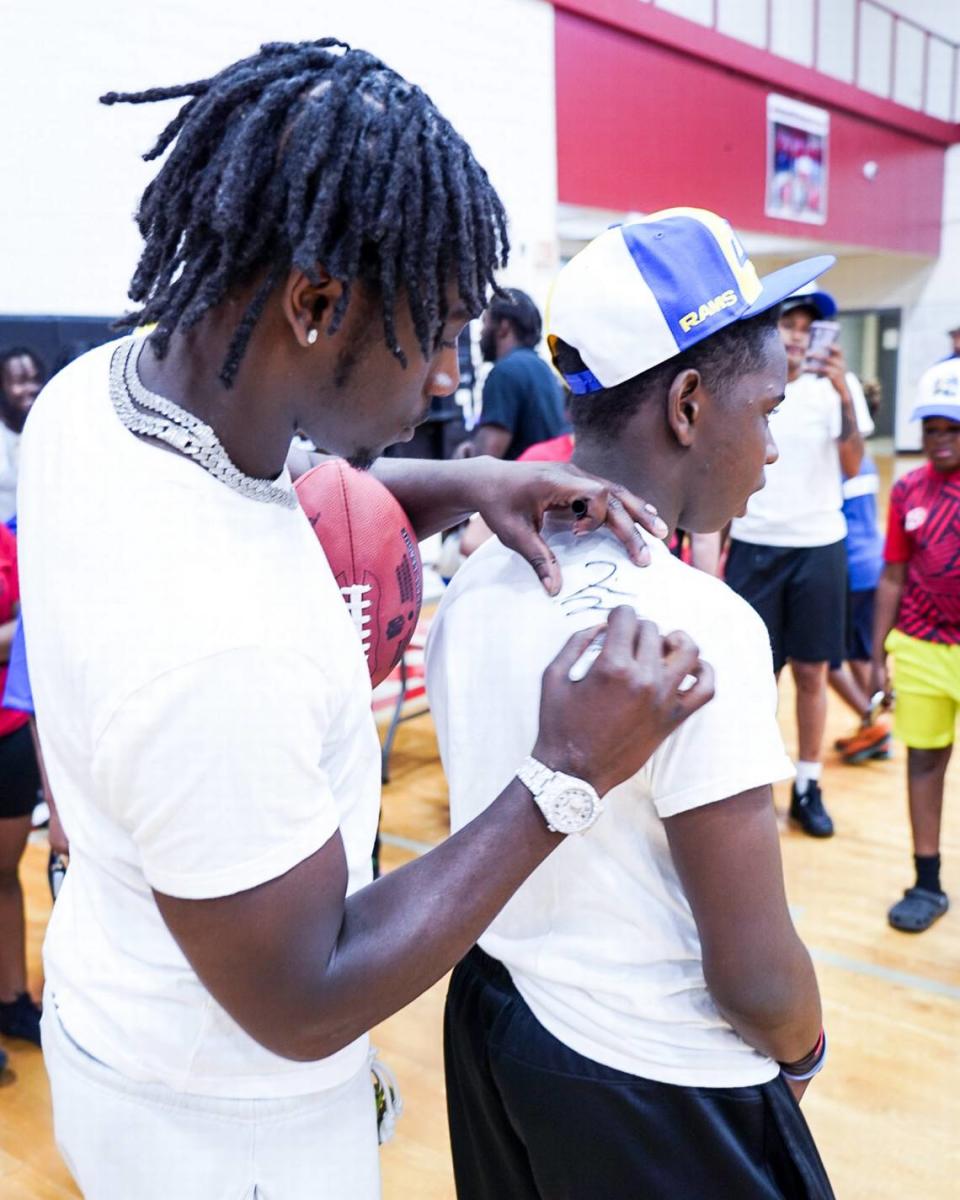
(204, 710)
(9, 464)
(801, 504)
(600, 940)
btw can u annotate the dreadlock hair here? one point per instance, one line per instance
(518, 308)
(305, 154)
(733, 351)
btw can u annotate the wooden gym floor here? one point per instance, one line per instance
(886, 1112)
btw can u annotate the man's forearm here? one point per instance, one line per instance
(435, 495)
(327, 968)
(848, 420)
(850, 442)
(782, 1018)
(411, 926)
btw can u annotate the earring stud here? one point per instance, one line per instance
(312, 336)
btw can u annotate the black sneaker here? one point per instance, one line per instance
(21, 1019)
(808, 811)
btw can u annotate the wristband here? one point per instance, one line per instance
(811, 1064)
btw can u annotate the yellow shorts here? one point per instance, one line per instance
(926, 676)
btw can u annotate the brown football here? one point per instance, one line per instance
(372, 551)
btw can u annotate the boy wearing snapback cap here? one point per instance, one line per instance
(917, 623)
(642, 1016)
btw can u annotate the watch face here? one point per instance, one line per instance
(573, 809)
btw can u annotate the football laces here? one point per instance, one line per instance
(358, 606)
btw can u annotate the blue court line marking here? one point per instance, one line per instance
(828, 957)
(831, 958)
(889, 974)
(405, 843)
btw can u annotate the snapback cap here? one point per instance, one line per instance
(822, 303)
(642, 293)
(950, 411)
(940, 392)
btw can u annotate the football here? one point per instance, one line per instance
(372, 551)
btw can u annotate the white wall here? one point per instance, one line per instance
(73, 173)
(739, 17)
(795, 24)
(939, 16)
(928, 293)
(72, 168)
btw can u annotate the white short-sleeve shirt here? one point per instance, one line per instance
(9, 464)
(204, 710)
(600, 940)
(801, 504)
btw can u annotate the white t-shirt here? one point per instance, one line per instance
(9, 463)
(600, 940)
(204, 710)
(802, 501)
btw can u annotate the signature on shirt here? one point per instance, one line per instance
(598, 593)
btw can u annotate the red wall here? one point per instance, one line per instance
(642, 127)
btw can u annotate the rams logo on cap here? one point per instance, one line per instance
(711, 308)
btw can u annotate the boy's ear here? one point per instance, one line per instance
(684, 405)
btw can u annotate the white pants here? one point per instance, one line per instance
(133, 1141)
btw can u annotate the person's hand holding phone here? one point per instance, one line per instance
(822, 337)
(825, 358)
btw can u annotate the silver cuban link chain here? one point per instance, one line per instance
(145, 413)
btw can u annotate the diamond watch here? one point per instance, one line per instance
(570, 805)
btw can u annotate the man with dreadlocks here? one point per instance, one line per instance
(313, 245)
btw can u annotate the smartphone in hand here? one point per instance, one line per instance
(822, 336)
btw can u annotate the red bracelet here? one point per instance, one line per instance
(808, 1066)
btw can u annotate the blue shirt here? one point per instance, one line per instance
(17, 693)
(864, 539)
(521, 394)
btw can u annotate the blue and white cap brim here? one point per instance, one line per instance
(950, 412)
(781, 285)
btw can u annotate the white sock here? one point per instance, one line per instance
(807, 773)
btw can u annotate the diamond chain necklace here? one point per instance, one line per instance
(145, 413)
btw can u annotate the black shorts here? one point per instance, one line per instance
(19, 774)
(860, 607)
(530, 1119)
(801, 594)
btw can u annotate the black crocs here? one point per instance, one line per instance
(918, 910)
(21, 1019)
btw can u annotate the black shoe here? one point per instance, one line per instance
(808, 811)
(21, 1019)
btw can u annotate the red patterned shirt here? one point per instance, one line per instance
(923, 531)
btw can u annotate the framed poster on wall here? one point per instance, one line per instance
(798, 137)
